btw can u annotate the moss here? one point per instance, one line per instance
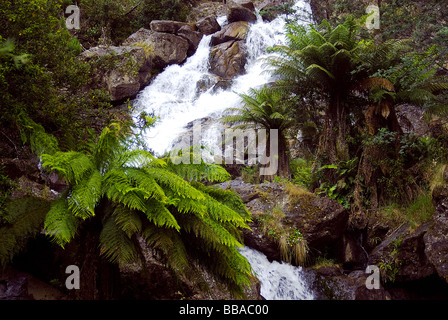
(301, 197)
(147, 48)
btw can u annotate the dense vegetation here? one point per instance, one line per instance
(340, 87)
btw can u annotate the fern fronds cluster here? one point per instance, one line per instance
(136, 194)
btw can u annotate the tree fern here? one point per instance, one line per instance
(60, 223)
(135, 194)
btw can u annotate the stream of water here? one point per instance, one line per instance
(178, 98)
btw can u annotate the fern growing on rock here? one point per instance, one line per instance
(118, 194)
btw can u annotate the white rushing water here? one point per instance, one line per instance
(279, 281)
(175, 97)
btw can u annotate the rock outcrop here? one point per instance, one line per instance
(330, 283)
(127, 70)
(321, 220)
(208, 25)
(436, 238)
(241, 12)
(235, 31)
(228, 59)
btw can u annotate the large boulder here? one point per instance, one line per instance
(403, 254)
(127, 71)
(240, 13)
(436, 239)
(168, 49)
(162, 48)
(321, 220)
(332, 284)
(228, 59)
(232, 31)
(193, 37)
(208, 25)
(167, 26)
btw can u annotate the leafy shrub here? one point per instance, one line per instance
(301, 170)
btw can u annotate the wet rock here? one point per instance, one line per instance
(228, 59)
(321, 220)
(233, 31)
(353, 254)
(15, 168)
(27, 188)
(167, 49)
(208, 25)
(205, 83)
(154, 280)
(404, 251)
(240, 13)
(436, 239)
(167, 26)
(193, 38)
(347, 287)
(255, 239)
(14, 289)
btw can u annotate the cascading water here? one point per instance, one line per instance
(177, 98)
(279, 281)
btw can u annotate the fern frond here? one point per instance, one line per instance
(60, 223)
(172, 246)
(198, 172)
(141, 180)
(228, 198)
(159, 214)
(128, 220)
(72, 165)
(115, 244)
(171, 181)
(85, 195)
(40, 141)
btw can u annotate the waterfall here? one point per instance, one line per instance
(279, 281)
(175, 96)
(182, 94)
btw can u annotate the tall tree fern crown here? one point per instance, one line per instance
(134, 194)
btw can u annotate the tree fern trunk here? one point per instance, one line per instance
(283, 157)
(369, 171)
(333, 146)
(99, 279)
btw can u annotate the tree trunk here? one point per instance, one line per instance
(99, 279)
(333, 146)
(367, 192)
(282, 158)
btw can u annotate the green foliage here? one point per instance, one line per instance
(302, 173)
(390, 267)
(292, 245)
(342, 191)
(39, 72)
(134, 193)
(270, 13)
(114, 21)
(20, 220)
(262, 108)
(251, 174)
